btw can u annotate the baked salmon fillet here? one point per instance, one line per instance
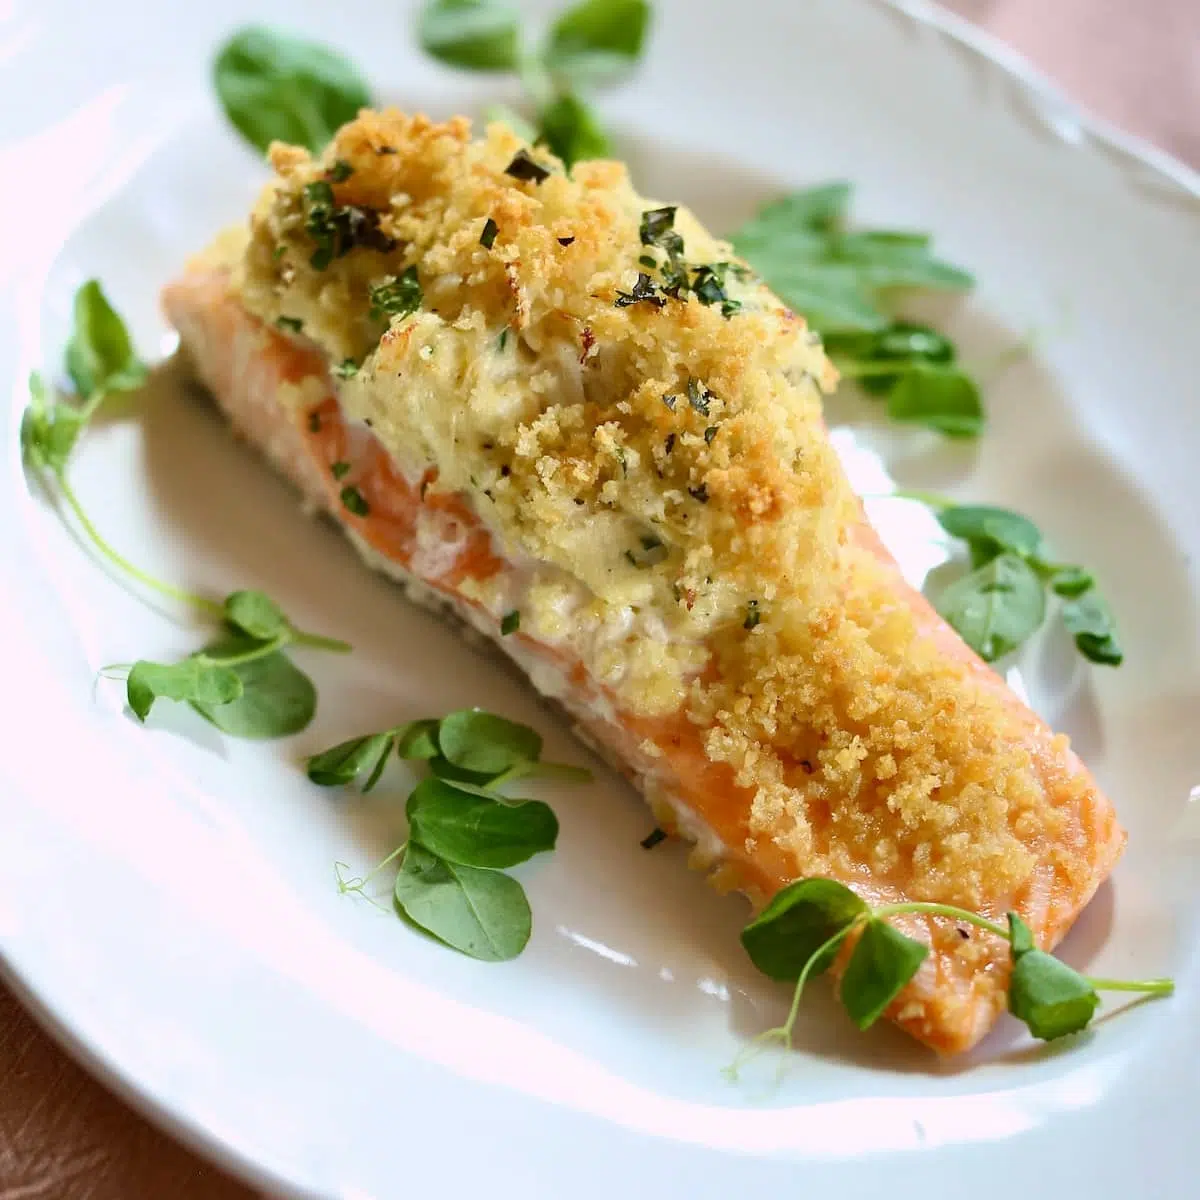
(489, 372)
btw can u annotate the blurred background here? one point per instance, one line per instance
(1135, 63)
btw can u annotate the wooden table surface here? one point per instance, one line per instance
(63, 1136)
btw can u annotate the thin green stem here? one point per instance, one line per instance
(317, 641)
(929, 499)
(262, 650)
(536, 80)
(817, 955)
(848, 369)
(942, 910)
(120, 561)
(1154, 987)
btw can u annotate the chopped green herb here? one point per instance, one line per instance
(354, 501)
(336, 229)
(502, 341)
(510, 622)
(653, 838)
(346, 369)
(340, 470)
(292, 324)
(753, 615)
(658, 229)
(649, 263)
(487, 239)
(643, 292)
(396, 297)
(699, 396)
(526, 168)
(709, 433)
(670, 401)
(340, 171)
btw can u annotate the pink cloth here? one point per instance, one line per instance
(62, 1135)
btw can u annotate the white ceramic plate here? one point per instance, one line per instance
(166, 896)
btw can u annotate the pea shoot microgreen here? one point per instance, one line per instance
(590, 43)
(845, 283)
(1005, 597)
(800, 933)
(276, 87)
(463, 831)
(243, 682)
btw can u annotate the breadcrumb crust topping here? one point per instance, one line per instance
(671, 456)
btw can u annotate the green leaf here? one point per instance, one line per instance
(1050, 997)
(1089, 621)
(863, 356)
(478, 35)
(889, 260)
(49, 429)
(276, 87)
(597, 38)
(796, 923)
(483, 742)
(570, 128)
(996, 607)
(827, 295)
(100, 353)
(475, 831)
(485, 914)
(940, 398)
(348, 760)
(507, 116)
(1020, 936)
(277, 699)
(991, 530)
(820, 209)
(190, 680)
(564, 772)
(417, 739)
(1071, 581)
(256, 614)
(883, 961)
(444, 769)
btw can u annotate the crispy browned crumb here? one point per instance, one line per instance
(869, 750)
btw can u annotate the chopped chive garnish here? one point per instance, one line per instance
(511, 622)
(487, 238)
(293, 324)
(340, 470)
(526, 169)
(653, 838)
(340, 171)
